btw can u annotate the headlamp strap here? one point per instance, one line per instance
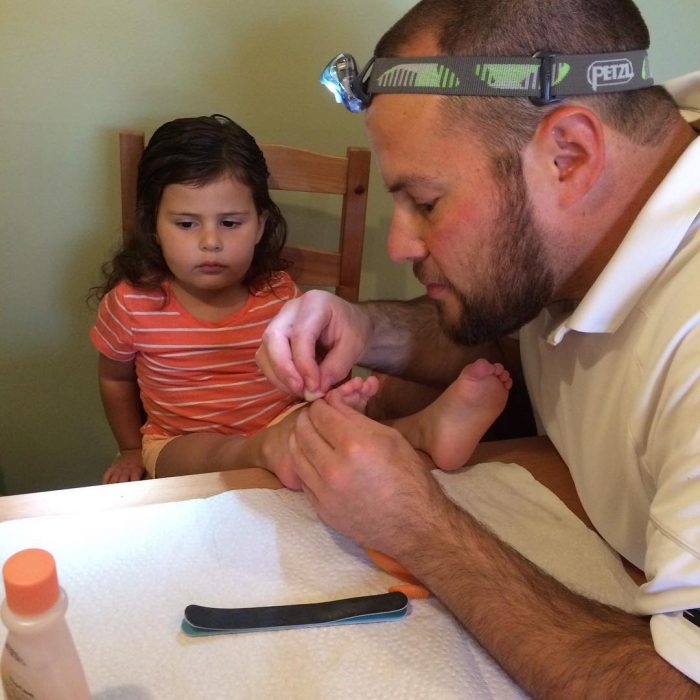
(545, 77)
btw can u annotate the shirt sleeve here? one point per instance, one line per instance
(112, 334)
(677, 639)
(672, 562)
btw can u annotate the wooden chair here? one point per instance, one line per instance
(293, 169)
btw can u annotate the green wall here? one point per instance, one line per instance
(74, 72)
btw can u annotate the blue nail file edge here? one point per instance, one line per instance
(202, 621)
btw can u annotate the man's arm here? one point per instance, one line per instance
(366, 481)
(316, 339)
(407, 340)
(551, 641)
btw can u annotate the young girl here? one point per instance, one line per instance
(184, 306)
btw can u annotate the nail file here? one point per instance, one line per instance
(200, 620)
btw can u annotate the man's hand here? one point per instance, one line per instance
(312, 343)
(127, 466)
(364, 478)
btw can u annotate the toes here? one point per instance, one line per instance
(505, 378)
(483, 368)
(346, 389)
(353, 385)
(370, 386)
(479, 369)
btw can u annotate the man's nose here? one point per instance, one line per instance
(405, 241)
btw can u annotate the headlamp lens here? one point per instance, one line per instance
(340, 76)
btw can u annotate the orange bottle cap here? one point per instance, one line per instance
(31, 581)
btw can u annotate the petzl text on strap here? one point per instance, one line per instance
(200, 620)
(560, 75)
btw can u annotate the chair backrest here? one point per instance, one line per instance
(293, 169)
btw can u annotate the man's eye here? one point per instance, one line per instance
(425, 207)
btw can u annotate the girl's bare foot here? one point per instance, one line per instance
(274, 440)
(450, 427)
(353, 394)
(273, 446)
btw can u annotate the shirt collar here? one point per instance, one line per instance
(685, 90)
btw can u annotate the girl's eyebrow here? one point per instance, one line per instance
(243, 212)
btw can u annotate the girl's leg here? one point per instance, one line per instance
(448, 429)
(197, 453)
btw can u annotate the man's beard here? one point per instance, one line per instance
(520, 281)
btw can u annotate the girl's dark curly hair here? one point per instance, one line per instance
(196, 151)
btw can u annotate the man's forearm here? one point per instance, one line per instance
(552, 642)
(408, 341)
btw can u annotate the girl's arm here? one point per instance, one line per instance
(120, 398)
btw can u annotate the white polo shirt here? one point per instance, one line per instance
(615, 384)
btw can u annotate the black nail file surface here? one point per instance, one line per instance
(200, 620)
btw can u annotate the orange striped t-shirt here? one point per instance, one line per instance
(194, 375)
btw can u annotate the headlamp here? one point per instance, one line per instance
(340, 76)
(545, 77)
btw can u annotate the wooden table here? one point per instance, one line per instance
(536, 454)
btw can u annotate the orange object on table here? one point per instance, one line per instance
(413, 588)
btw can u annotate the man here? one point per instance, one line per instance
(574, 223)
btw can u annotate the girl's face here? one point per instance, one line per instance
(208, 234)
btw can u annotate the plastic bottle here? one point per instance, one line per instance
(39, 660)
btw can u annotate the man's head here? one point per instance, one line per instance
(483, 219)
(522, 28)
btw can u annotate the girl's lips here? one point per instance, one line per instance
(210, 268)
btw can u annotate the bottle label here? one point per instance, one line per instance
(14, 654)
(13, 684)
(14, 691)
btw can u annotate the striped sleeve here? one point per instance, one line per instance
(112, 333)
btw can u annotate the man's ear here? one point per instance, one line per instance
(568, 153)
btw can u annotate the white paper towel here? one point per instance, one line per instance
(130, 573)
(534, 521)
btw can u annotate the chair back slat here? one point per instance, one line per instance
(131, 145)
(298, 170)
